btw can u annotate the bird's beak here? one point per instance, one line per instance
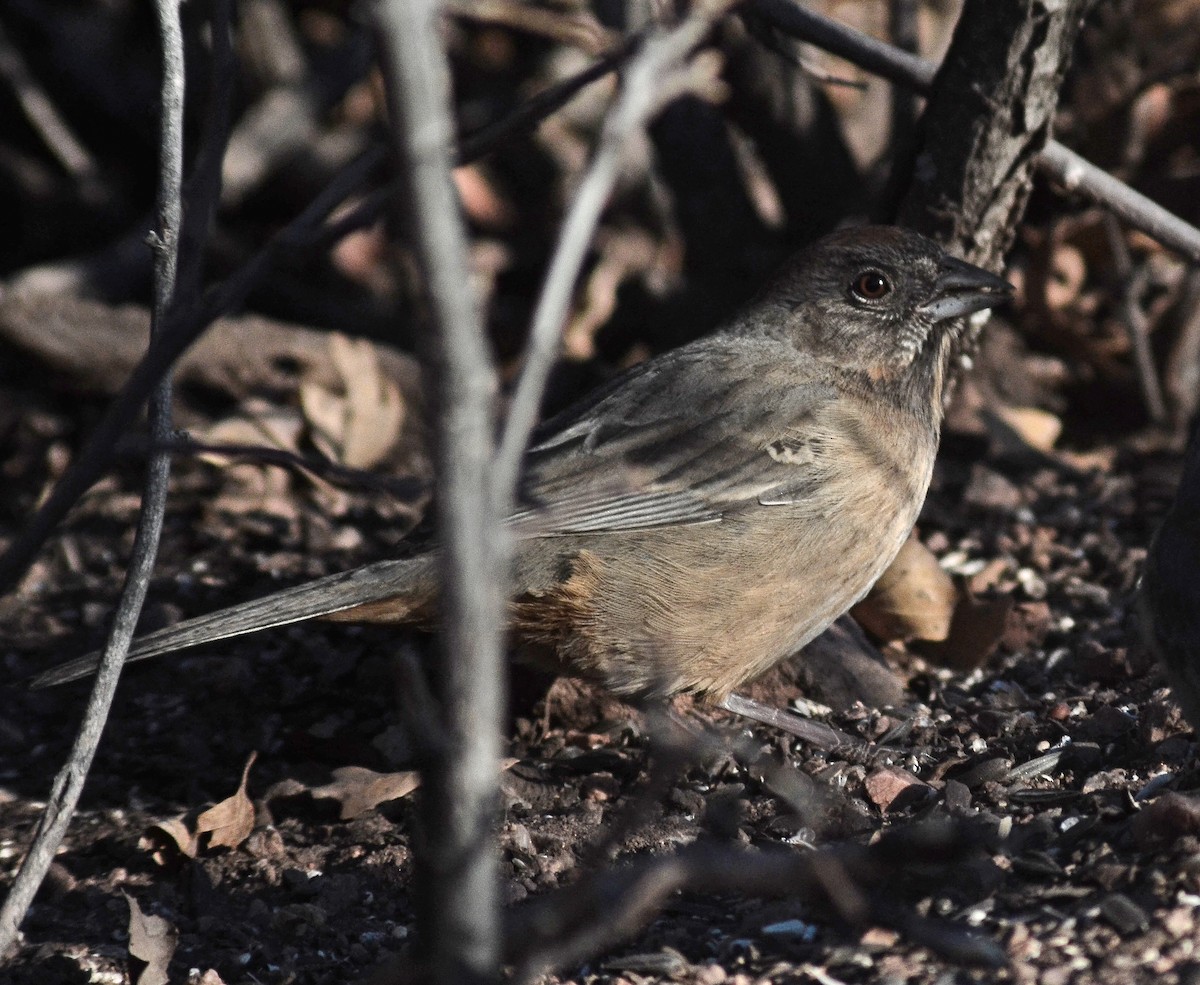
(962, 288)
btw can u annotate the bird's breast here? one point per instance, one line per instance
(704, 608)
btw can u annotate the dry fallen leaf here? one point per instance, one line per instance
(359, 789)
(913, 599)
(230, 822)
(170, 831)
(152, 941)
(358, 426)
(1038, 428)
(976, 630)
(227, 824)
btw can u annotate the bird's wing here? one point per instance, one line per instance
(719, 424)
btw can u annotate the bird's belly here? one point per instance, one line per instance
(706, 608)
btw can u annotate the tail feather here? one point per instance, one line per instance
(408, 581)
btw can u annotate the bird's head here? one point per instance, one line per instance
(879, 300)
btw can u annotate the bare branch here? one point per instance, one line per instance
(1131, 284)
(1183, 364)
(1077, 174)
(68, 785)
(1064, 166)
(461, 898)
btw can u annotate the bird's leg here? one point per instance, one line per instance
(823, 737)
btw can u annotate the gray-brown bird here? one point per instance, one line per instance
(709, 512)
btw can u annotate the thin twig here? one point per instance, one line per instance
(655, 76)
(529, 114)
(400, 488)
(783, 48)
(461, 892)
(203, 190)
(1072, 172)
(68, 785)
(1132, 285)
(44, 117)
(902, 25)
(1076, 174)
(860, 49)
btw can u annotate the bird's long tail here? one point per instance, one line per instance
(406, 586)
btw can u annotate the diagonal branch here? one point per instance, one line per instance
(1064, 166)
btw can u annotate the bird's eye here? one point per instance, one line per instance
(871, 285)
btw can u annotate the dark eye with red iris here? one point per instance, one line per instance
(871, 285)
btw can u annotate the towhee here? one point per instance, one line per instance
(710, 511)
